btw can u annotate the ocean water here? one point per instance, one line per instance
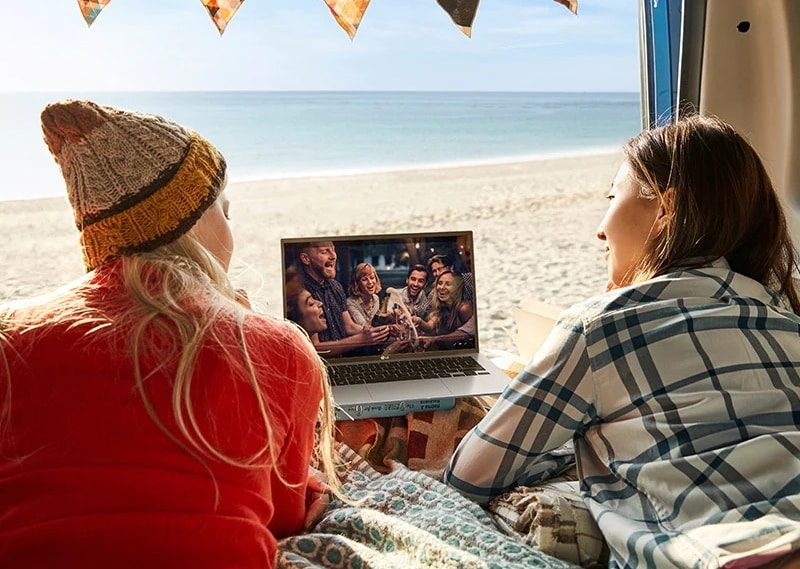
(288, 134)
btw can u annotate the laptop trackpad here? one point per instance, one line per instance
(351, 394)
(404, 390)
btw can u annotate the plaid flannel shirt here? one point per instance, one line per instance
(682, 397)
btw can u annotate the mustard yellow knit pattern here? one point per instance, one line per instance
(135, 181)
(162, 216)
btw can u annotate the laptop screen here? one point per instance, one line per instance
(382, 296)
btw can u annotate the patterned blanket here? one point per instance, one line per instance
(422, 441)
(553, 518)
(405, 519)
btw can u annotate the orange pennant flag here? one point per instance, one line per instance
(462, 12)
(348, 13)
(572, 5)
(91, 8)
(221, 11)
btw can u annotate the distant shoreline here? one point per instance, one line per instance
(307, 91)
(424, 167)
(409, 168)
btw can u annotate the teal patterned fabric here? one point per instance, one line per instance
(405, 519)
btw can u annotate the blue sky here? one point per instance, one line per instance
(516, 45)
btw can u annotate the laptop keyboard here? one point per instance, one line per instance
(401, 370)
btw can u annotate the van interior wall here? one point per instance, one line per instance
(749, 78)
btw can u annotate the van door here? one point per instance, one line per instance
(738, 60)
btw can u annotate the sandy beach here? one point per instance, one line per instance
(534, 226)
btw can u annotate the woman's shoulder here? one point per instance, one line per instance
(354, 306)
(270, 329)
(618, 301)
(585, 314)
(59, 308)
(686, 288)
(274, 342)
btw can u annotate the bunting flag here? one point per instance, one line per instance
(348, 13)
(462, 12)
(91, 8)
(221, 11)
(572, 5)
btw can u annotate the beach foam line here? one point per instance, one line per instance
(445, 165)
(371, 171)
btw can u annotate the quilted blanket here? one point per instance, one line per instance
(422, 441)
(405, 519)
(553, 518)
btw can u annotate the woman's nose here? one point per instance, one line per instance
(601, 235)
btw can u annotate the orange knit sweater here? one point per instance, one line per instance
(87, 479)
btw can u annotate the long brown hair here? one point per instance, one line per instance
(445, 315)
(719, 202)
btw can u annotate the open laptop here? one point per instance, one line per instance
(427, 358)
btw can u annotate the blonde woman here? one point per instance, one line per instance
(148, 417)
(363, 303)
(452, 319)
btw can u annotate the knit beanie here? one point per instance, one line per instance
(135, 181)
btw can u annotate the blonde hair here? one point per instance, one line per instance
(445, 316)
(182, 293)
(362, 270)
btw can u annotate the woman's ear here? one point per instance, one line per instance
(665, 210)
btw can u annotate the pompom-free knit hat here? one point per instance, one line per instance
(135, 181)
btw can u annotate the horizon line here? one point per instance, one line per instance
(498, 91)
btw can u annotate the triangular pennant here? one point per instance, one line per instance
(572, 5)
(462, 12)
(91, 8)
(221, 11)
(348, 13)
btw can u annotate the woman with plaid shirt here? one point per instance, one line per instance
(680, 386)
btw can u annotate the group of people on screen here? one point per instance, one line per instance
(148, 415)
(434, 310)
